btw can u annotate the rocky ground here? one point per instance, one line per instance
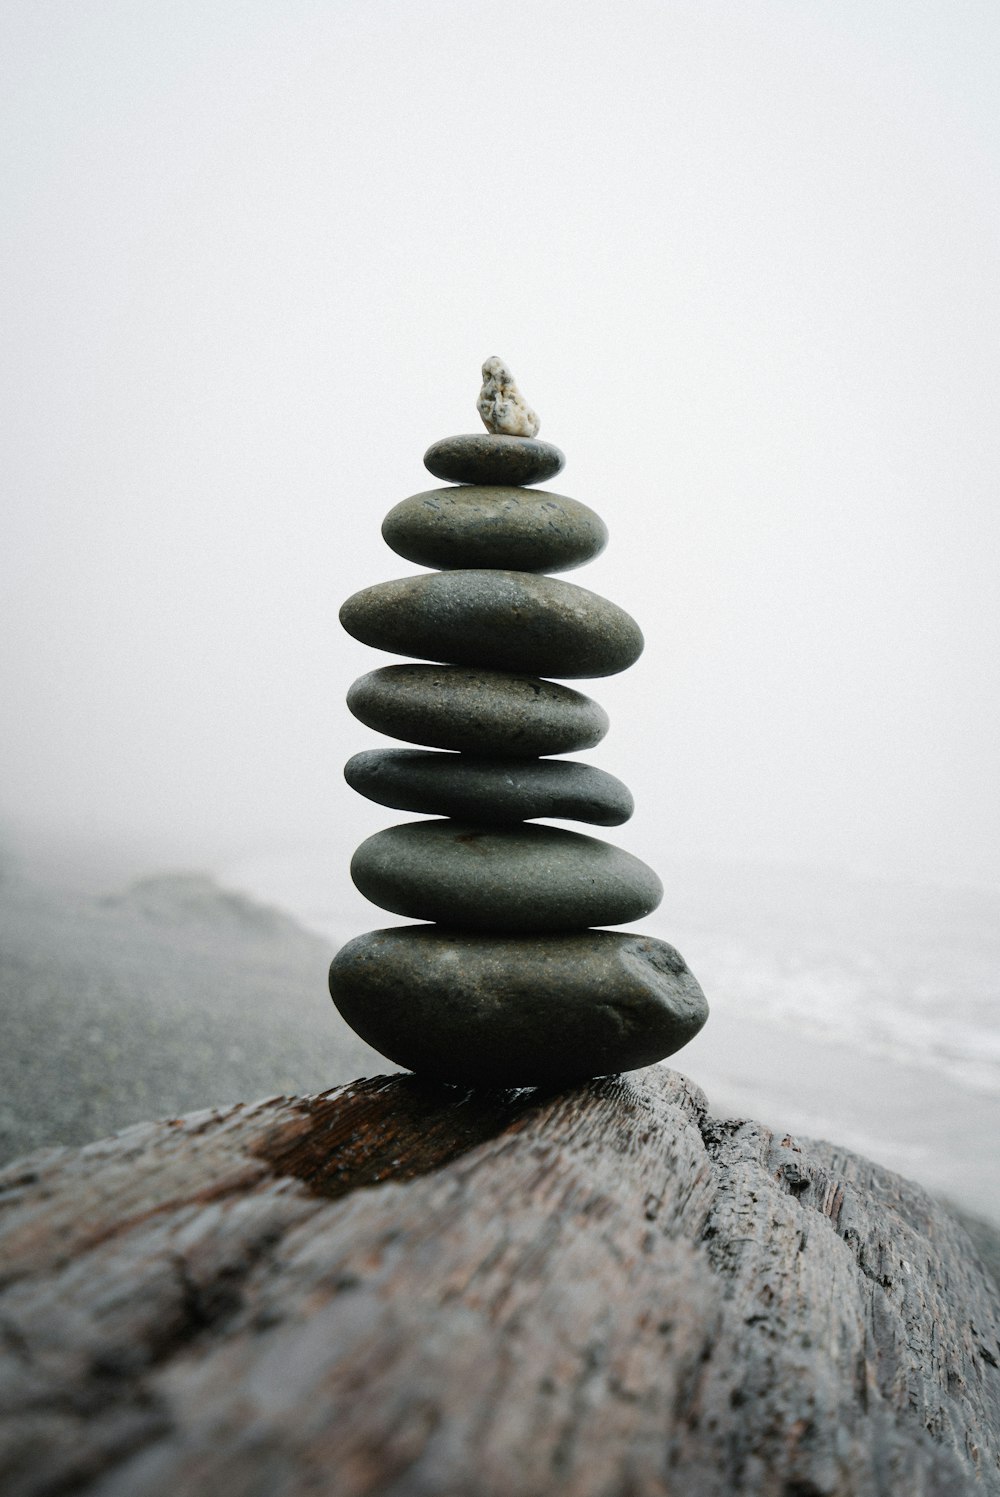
(402, 1287)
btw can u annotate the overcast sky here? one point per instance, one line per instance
(743, 259)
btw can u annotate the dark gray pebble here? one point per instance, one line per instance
(479, 712)
(526, 530)
(516, 1010)
(485, 458)
(478, 789)
(507, 878)
(506, 621)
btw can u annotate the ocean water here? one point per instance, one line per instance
(861, 1010)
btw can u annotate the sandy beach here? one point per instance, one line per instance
(171, 996)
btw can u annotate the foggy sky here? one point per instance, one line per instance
(742, 259)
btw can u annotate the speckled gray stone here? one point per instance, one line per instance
(479, 789)
(516, 1010)
(521, 878)
(506, 621)
(484, 458)
(480, 712)
(468, 525)
(501, 405)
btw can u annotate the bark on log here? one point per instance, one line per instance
(396, 1288)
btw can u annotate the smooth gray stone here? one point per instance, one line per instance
(475, 711)
(510, 878)
(485, 458)
(505, 621)
(526, 530)
(478, 789)
(516, 1010)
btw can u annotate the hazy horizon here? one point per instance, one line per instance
(742, 260)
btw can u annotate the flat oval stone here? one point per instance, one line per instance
(505, 621)
(517, 878)
(485, 458)
(477, 789)
(480, 712)
(516, 1010)
(525, 530)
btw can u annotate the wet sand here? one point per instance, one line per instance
(172, 996)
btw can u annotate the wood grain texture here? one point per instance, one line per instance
(401, 1289)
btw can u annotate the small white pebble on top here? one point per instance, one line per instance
(502, 406)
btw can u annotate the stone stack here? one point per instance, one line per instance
(510, 984)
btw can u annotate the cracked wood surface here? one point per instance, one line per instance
(401, 1289)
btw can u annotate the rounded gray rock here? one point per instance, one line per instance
(475, 711)
(526, 530)
(516, 1010)
(522, 878)
(506, 621)
(481, 789)
(485, 458)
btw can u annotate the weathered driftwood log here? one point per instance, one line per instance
(400, 1289)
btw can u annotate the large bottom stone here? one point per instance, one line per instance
(516, 1010)
(521, 878)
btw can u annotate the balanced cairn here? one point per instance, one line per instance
(509, 984)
